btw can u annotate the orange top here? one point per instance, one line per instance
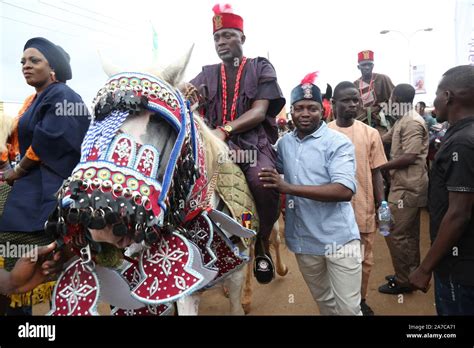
(13, 145)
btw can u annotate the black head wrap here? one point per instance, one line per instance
(56, 56)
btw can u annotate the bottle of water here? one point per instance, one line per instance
(384, 219)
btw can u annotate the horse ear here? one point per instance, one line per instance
(109, 68)
(174, 73)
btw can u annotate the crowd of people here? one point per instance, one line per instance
(335, 171)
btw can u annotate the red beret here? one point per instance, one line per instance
(224, 18)
(365, 55)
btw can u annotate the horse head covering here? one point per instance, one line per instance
(126, 180)
(142, 175)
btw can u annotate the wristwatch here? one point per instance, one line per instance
(227, 129)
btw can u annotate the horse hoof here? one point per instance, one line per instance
(246, 308)
(282, 272)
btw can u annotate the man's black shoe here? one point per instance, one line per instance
(263, 268)
(393, 288)
(365, 309)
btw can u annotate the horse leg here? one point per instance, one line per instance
(247, 292)
(225, 290)
(275, 241)
(234, 283)
(189, 305)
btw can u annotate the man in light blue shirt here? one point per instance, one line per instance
(318, 164)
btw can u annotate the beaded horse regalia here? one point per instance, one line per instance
(135, 190)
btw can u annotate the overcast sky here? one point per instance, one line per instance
(299, 36)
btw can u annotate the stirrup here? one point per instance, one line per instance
(263, 268)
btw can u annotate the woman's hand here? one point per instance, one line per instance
(10, 176)
(4, 166)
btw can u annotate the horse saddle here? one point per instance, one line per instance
(233, 189)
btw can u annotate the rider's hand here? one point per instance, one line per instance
(191, 94)
(220, 134)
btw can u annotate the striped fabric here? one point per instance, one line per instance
(4, 191)
(100, 133)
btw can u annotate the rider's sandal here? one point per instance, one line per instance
(263, 269)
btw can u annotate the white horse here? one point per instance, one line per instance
(151, 128)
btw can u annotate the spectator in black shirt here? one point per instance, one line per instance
(451, 200)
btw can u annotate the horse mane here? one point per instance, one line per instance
(216, 149)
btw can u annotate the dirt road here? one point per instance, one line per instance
(289, 295)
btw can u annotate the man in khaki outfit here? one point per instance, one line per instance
(408, 189)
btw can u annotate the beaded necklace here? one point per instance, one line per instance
(233, 109)
(371, 87)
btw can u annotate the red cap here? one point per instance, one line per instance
(224, 18)
(281, 121)
(365, 55)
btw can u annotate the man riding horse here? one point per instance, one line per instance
(239, 99)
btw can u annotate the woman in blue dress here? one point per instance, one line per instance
(49, 134)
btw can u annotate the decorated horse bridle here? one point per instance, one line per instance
(116, 184)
